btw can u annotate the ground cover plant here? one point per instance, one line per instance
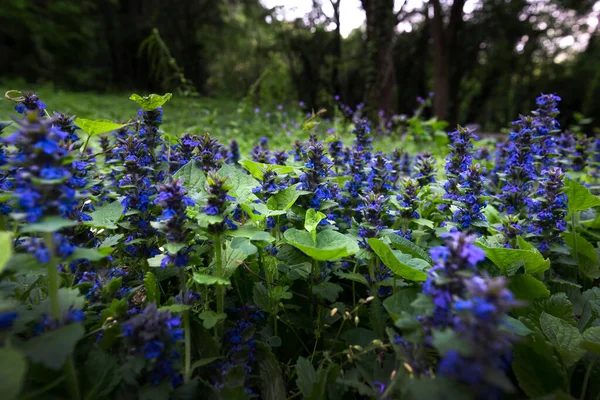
(139, 263)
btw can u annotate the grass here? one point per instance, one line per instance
(225, 119)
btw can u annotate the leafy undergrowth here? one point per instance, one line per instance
(139, 263)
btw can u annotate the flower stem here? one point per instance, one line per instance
(53, 284)
(52, 278)
(219, 273)
(586, 379)
(188, 346)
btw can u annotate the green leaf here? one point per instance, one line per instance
(175, 308)
(272, 386)
(329, 245)
(352, 276)
(408, 268)
(242, 184)
(401, 302)
(152, 288)
(327, 290)
(584, 248)
(204, 361)
(210, 280)
(13, 367)
(408, 247)
(97, 127)
(284, 199)
(53, 348)
(151, 102)
(243, 244)
(505, 258)
(256, 169)
(82, 253)
(156, 261)
(591, 339)
(558, 305)
(537, 371)
(106, 216)
(564, 335)
(48, 224)
(112, 241)
(211, 318)
(311, 221)
(307, 376)
(193, 177)
(232, 259)
(6, 249)
(447, 340)
(526, 287)
(579, 196)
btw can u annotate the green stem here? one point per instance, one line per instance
(187, 372)
(219, 272)
(188, 346)
(377, 322)
(52, 278)
(85, 145)
(586, 379)
(72, 378)
(2, 223)
(574, 223)
(53, 285)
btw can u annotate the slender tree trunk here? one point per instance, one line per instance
(380, 79)
(337, 47)
(445, 51)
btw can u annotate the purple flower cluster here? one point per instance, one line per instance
(154, 335)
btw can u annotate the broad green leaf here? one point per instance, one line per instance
(6, 249)
(591, 339)
(272, 386)
(48, 224)
(53, 348)
(175, 308)
(407, 267)
(106, 216)
(211, 318)
(284, 199)
(448, 340)
(536, 369)
(256, 169)
(307, 376)
(401, 302)
(193, 177)
(558, 305)
(311, 221)
(111, 241)
(232, 259)
(242, 184)
(156, 261)
(251, 232)
(352, 276)
(152, 288)
(82, 253)
(203, 279)
(243, 244)
(585, 248)
(563, 335)
(151, 102)
(13, 367)
(97, 127)
(328, 290)
(505, 258)
(408, 247)
(204, 361)
(330, 245)
(579, 196)
(528, 288)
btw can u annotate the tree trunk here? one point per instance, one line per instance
(337, 48)
(445, 50)
(380, 79)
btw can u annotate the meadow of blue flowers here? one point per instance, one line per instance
(140, 264)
